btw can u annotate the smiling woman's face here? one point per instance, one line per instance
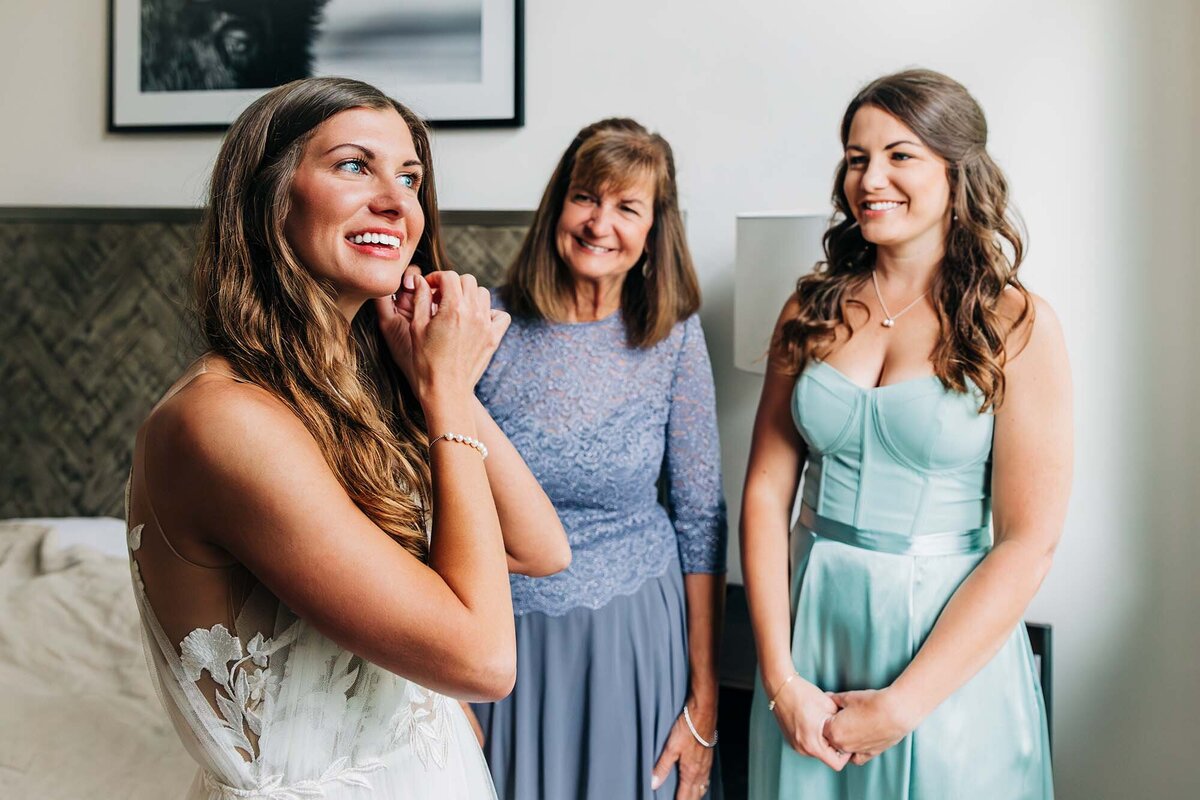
(897, 187)
(602, 234)
(355, 218)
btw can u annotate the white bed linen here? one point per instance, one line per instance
(103, 534)
(78, 715)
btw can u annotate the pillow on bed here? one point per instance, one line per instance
(79, 716)
(104, 535)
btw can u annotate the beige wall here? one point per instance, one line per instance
(1093, 109)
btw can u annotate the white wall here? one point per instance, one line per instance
(1151, 684)
(1093, 109)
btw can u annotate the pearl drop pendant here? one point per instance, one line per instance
(888, 322)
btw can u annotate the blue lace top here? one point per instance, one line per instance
(598, 422)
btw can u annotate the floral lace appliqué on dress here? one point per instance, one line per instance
(421, 723)
(294, 716)
(242, 698)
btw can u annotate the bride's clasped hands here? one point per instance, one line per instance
(407, 322)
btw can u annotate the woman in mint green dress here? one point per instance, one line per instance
(926, 396)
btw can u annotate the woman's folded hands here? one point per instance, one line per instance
(867, 723)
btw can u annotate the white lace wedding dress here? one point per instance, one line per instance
(269, 707)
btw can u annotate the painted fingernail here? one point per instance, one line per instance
(409, 281)
(655, 782)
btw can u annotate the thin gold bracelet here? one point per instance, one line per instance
(779, 691)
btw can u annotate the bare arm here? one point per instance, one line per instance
(1031, 477)
(697, 507)
(533, 536)
(252, 481)
(705, 613)
(777, 454)
(705, 593)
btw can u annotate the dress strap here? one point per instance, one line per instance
(201, 367)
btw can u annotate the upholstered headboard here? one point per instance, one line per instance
(94, 327)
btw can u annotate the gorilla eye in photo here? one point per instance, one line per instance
(190, 45)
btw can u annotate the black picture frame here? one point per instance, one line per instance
(497, 101)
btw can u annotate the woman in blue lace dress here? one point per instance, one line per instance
(603, 384)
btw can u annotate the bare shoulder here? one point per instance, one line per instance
(1037, 368)
(231, 451)
(789, 312)
(778, 355)
(1034, 326)
(226, 458)
(217, 419)
(1013, 304)
(791, 309)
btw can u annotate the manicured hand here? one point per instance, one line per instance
(483, 298)
(869, 722)
(398, 332)
(695, 761)
(451, 348)
(801, 711)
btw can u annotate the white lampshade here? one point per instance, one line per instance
(773, 250)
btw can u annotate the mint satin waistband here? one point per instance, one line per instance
(950, 543)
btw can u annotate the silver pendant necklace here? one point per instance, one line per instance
(889, 319)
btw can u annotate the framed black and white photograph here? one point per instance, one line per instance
(196, 64)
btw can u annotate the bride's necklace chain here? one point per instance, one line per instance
(889, 319)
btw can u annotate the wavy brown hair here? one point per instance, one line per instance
(280, 327)
(983, 250)
(611, 154)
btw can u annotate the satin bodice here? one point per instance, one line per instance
(911, 458)
(895, 518)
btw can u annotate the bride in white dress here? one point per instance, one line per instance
(320, 551)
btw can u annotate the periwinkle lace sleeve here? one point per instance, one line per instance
(693, 458)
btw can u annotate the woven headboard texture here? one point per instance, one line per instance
(94, 328)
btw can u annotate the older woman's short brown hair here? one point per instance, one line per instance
(611, 154)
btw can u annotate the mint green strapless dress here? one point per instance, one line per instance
(895, 515)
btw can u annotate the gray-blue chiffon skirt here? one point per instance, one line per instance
(597, 692)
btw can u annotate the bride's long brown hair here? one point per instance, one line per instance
(280, 327)
(984, 248)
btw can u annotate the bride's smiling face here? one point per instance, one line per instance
(355, 216)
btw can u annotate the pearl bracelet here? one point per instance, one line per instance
(687, 717)
(461, 439)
